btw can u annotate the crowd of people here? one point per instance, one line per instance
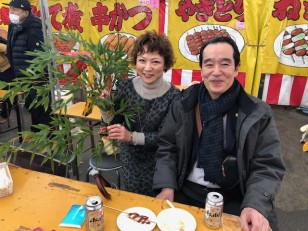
(180, 145)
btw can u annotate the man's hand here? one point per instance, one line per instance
(166, 194)
(252, 220)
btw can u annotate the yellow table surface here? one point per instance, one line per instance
(76, 110)
(2, 93)
(42, 200)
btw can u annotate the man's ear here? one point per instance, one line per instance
(27, 13)
(237, 67)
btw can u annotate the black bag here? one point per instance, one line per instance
(230, 174)
(23, 160)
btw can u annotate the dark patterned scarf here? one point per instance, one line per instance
(211, 143)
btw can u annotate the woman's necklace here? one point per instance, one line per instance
(148, 117)
(153, 104)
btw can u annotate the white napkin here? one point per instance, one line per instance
(5, 179)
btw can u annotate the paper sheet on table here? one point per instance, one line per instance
(75, 217)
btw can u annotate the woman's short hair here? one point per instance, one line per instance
(150, 41)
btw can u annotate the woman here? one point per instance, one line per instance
(6, 75)
(152, 56)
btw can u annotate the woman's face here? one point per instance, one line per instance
(150, 66)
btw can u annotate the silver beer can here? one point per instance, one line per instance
(213, 210)
(94, 214)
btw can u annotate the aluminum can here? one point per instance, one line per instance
(213, 210)
(94, 214)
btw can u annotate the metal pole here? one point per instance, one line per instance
(48, 38)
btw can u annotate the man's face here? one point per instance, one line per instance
(218, 69)
(21, 13)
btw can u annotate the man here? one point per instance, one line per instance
(218, 138)
(25, 34)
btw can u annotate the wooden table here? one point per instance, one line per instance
(42, 200)
(75, 111)
(18, 114)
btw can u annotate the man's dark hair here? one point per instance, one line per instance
(236, 52)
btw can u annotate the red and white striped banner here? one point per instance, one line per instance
(278, 89)
(288, 90)
(185, 77)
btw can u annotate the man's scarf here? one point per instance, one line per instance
(211, 143)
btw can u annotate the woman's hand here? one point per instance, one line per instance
(119, 132)
(105, 94)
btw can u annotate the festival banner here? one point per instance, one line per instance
(272, 39)
(286, 48)
(98, 19)
(192, 22)
(285, 90)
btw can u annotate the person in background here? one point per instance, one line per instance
(25, 34)
(217, 138)
(152, 56)
(7, 75)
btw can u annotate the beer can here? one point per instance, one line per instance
(94, 214)
(213, 210)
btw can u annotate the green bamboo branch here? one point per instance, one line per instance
(105, 63)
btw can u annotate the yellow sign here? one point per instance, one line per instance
(286, 49)
(272, 35)
(96, 19)
(191, 23)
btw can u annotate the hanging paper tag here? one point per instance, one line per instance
(155, 3)
(240, 25)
